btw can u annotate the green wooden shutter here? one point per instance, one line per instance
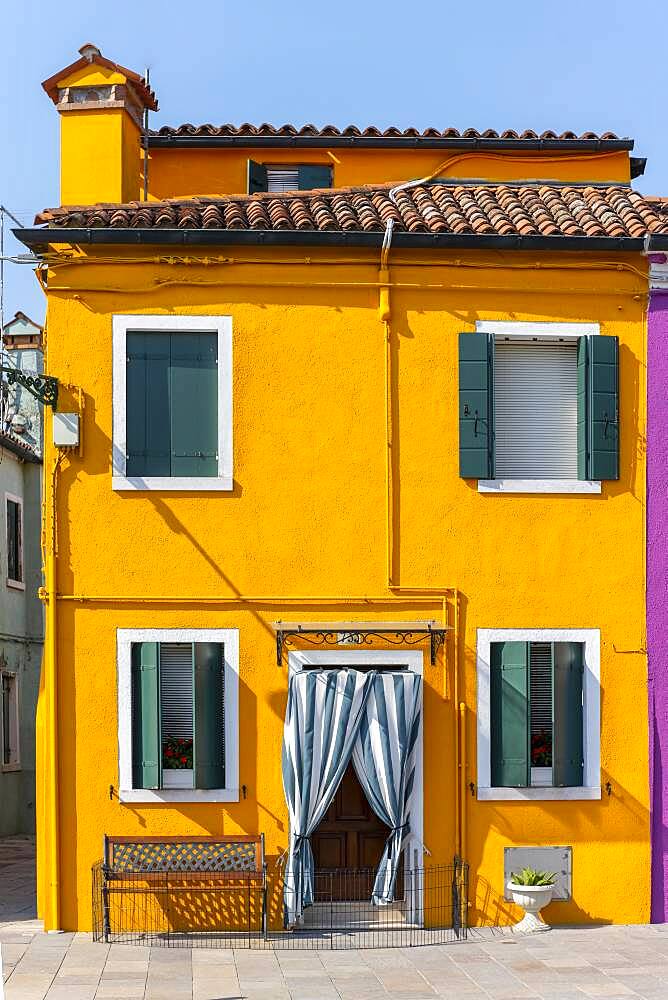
(567, 742)
(598, 407)
(257, 177)
(208, 757)
(603, 407)
(146, 757)
(193, 404)
(147, 404)
(476, 416)
(312, 177)
(510, 714)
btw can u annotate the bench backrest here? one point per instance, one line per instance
(184, 854)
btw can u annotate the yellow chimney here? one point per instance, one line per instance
(101, 106)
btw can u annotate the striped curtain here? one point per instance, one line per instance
(384, 761)
(324, 713)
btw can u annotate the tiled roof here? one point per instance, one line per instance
(18, 447)
(352, 131)
(512, 210)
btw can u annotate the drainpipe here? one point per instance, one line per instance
(459, 709)
(52, 812)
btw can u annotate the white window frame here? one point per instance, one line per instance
(229, 637)
(591, 714)
(222, 326)
(544, 331)
(15, 584)
(15, 731)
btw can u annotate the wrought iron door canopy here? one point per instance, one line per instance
(43, 387)
(402, 633)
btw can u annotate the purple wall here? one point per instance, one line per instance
(657, 587)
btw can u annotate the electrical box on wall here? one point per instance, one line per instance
(541, 859)
(66, 430)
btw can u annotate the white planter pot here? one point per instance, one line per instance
(532, 899)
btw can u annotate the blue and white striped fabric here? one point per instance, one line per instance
(322, 721)
(384, 761)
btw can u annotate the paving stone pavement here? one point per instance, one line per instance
(612, 962)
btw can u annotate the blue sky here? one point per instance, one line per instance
(576, 64)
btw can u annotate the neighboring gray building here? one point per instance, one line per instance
(21, 614)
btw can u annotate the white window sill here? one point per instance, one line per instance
(196, 484)
(15, 584)
(538, 794)
(8, 768)
(167, 795)
(538, 486)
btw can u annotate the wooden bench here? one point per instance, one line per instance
(223, 862)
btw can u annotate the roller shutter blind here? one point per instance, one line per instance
(536, 410)
(280, 180)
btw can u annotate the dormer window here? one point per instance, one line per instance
(282, 177)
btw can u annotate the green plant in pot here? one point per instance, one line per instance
(532, 890)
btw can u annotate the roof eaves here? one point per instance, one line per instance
(326, 141)
(41, 238)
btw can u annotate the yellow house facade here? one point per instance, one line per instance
(349, 452)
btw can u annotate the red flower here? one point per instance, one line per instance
(184, 760)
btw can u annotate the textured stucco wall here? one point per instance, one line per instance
(307, 517)
(657, 590)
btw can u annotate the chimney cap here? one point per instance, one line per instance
(89, 51)
(90, 54)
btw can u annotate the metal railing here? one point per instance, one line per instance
(200, 910)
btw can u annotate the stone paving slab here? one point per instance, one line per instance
(582, 963)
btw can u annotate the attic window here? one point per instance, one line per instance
(280, 178)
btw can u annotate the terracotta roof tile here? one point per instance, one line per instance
(265, 130)
(439, 208)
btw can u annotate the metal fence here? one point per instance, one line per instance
(203, 910)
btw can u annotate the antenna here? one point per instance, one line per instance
(147, 77)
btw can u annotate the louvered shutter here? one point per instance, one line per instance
(209, 746)
(147, 404)
(193, 404)
(476, 442)
(281, 179)
(146, 766)
(536, 410)
(509, 663)
(313, 176)
(567, 746)
(176, 689)
(257, 177)
(540, 690)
